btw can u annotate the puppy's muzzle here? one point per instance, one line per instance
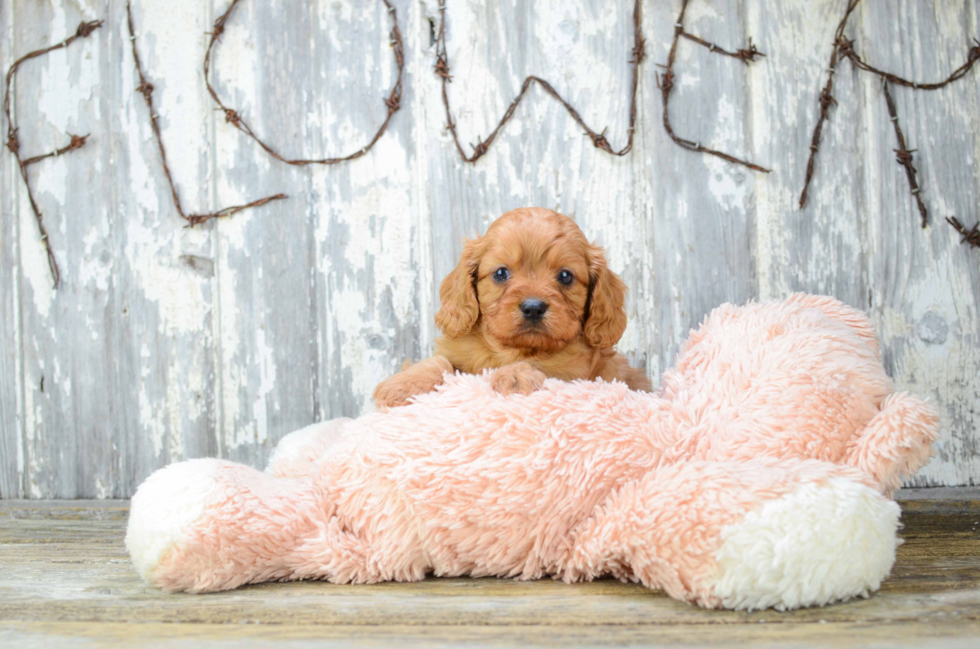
(533, 309)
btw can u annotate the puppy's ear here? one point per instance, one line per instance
(460, 306)
(605, 310)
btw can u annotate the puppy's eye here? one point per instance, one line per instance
(501, 275)
(565, 277)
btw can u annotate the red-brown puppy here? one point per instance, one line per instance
(532, 296)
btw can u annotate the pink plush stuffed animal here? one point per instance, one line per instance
(759, 476)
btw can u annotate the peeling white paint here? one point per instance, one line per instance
(34, 260)
(214, 355)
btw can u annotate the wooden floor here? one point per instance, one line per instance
(65, 580)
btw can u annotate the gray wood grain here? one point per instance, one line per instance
(65, 577)
(10, 376)
(64, 347)
(264, 328)
(927, 288)
(164, 306)
(700, 205)
(166, 342)
(819, 248)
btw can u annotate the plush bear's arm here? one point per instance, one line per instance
(744, 535)
(897, 441)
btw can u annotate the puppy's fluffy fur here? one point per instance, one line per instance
(532, 295)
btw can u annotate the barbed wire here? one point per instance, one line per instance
(904, 156)
(846, 48)
(145, 88)
(666, 84)
(84, 30)
(392, 100)
(843, 48)
(598, 138)
(825, 101)
(971, 236)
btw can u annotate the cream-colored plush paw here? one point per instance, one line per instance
(819, 544)
(164, 506)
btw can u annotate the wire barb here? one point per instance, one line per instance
(971, 237)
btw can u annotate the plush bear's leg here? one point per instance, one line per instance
(746, 535)
(897, 441)
(208, 525)
(298, 451)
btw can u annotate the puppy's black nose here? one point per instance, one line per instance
(533, 309)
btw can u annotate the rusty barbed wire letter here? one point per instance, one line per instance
(76, 142)
(482, 145)
(392, 100)
(145, 88)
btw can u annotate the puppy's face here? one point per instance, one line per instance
(533, 282)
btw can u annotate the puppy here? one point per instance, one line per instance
(532, 296)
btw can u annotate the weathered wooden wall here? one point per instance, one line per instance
(165, 342)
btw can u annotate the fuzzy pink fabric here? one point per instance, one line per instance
(576, 480)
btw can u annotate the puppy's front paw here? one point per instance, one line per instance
(397, 391)
(420, 378)
(517, 377)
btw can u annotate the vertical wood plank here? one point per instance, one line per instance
(65, 350)
(264, 322)
(858, 236)
(820, 248)
(926, 286)
(372, 261)
(162, 352)
(11, 429)
(315, 316)
(700, 206)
